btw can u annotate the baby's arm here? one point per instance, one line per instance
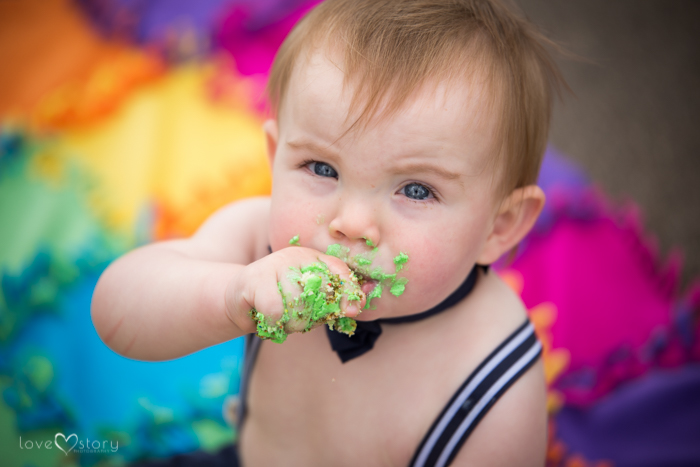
(167, 299)
(170, 299)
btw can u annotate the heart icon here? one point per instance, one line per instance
(55, 441)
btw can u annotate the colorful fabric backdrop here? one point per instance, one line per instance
(128, 121)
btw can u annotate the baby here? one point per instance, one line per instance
(409, 129)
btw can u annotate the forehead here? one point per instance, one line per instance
(456, 115)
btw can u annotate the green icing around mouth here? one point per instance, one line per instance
(294, 240)
(318, 303)
(339, 251)
(362, 261)
(398, 287)
(400, 261)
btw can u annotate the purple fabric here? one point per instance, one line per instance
(251, 31)
(651, 422)
(150, 21)
(556, 170)
(557, 175)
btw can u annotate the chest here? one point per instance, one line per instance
(305, 405)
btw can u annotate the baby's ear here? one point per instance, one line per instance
(271, 134)
(515, 218)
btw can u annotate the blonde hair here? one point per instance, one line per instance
(393, 47)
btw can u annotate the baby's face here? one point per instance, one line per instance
(415, 183)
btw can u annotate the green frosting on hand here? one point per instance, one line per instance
(321, 292)
(345, 325)
(318, 303)
(266, 329)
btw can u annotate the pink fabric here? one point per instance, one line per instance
(617, 309)
(253, 49)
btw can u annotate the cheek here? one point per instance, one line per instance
(438, 263)
(433, 273)
(290, 215)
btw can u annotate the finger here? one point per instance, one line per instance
(269, 313)
(290, 289)
(352, 298)
(352, 308)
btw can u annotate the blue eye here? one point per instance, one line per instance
(324, 170)
(416, 191)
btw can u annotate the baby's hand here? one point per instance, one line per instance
(295, 290)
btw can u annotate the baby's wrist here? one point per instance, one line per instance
(237, 306)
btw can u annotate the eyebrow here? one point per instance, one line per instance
(313, 147)
(404, 169)
(430, 168)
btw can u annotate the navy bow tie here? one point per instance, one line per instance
(367, 332)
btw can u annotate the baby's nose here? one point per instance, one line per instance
(355, 220)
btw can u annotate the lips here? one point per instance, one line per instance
(366, 284)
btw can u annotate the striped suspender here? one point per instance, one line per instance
(252, 346)
(476, 396)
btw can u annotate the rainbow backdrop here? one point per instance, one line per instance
(126, 121)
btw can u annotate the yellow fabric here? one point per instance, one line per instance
(57, 70)
(170, 144)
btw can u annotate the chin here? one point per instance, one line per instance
(371, 315)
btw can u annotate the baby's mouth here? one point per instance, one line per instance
(366, 284)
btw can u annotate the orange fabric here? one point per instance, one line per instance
(56, 68)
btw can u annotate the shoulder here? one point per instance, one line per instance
(514, 430)
(237, 232)
(486, 318)
(498, 304)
